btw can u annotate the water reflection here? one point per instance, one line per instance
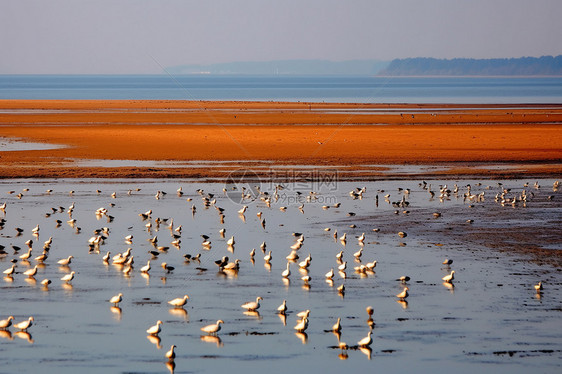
(117, 312)
(171, 366)
(303, 336)
(449, 286)
(253, 313)
(179, 312)
(6, 334)
(403, 303)
(367, 351)
(283, 318)
(212, 339)
(155, 339)
(25, 336)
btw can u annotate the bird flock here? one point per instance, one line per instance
(28, 263)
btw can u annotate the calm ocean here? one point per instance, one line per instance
(284, 88)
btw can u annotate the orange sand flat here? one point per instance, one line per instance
(287, 133)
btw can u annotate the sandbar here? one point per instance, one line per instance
(364, 140)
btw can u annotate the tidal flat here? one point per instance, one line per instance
(489, 318)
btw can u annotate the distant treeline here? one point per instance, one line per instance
(545, 65)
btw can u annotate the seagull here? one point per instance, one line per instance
(171, 355)
(404, 294)
(449, 278)
(24, 325)
(68, 277)
(154, 330)
(115, 300)
(366, 341)
(252, 305)
(5, 323)
(178, 302)
(213, 328)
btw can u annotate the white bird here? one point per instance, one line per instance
(337, 326)
(179, 302)
(105, 258)
(252, 305)
(27, 255)
(267, 257)
(303, 314)
(24, 325)
(343, 266)
(115, 300)
(31, 272)
(11, 270)
(366, 341)
(330, 274)
(404, 294)
(145, 268)
(155, 330)
(212, 328)
(361, 239)
(449, 278)
(243, 210)
(281, 309)
(302, 325)
(65, 261)
(359, 253)
(5, 323)
(171, 355)
(286, 272)
(68, 277)
(230, 242)
(538, 287)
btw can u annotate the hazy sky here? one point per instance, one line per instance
(142, 36)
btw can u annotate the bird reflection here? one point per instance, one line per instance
(67, 287)
(116, 312)
(25, 336)
(283, 318)
(171, 365)
(253, 313)
(147, 277)
(330, 282)
(212, 339)
(367, 351)
(154, 339)
(302, 336)
(286, 282)
(267, 265)
(538, 295)
(403, 303)
(449, 286)
(306, 286)
(179, 312)
(6, 334)
(32, 281)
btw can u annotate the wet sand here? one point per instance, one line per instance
(323, 134)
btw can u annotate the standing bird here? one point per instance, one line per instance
(31, 272)
(179, 302)
(281, 309)
(65, 261)
(449, 278)
(302, 325)
(10, 271)
(5, 323)
(366, 341)
(68, 277)
(171, 355)
(115, 300)
(538, 287)
(155, 330)
(252, 305)
(337, 326)
(213, 328)
(24, 325)
(404, 294)
(286, 272)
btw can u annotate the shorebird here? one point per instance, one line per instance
(155, 330)
(213, 328)
(302, 325)
(404, 294)
(145, 268)
(252, 305)
(171, 355)
(115, 300)
(447, 262)
(68, 277)
(337, 326)
(232, 265)
(287, 271)
(24, 325)
(281, 309)
(11, 270)
(267, 258)
(330, 274)
(27, 255)
(366, 341)
(31, 272)
(65, 261)
(5, 323)
(179, 302)
(538, 287)
(449, 278)
(167, 267)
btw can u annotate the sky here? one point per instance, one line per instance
(145, 36)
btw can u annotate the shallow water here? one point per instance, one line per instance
(491, 320)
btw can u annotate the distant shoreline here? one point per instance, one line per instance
(363, 141)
